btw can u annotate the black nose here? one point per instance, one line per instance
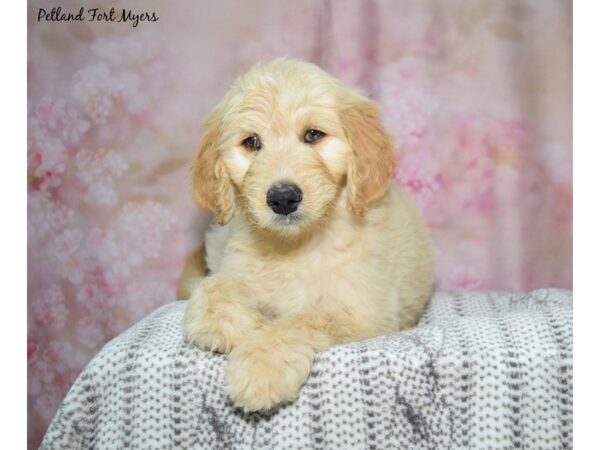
(284, 198)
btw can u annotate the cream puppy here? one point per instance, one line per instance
(314, 247)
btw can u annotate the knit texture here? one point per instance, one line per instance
(481, 370)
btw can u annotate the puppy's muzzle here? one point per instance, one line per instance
(284, 198)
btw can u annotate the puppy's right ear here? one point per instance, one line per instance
(210, 181)
(372, 159)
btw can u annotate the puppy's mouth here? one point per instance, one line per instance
(287, 220)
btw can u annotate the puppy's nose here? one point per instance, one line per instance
(284, 198)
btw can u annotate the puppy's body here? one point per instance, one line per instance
(377, 268)
(351, 259)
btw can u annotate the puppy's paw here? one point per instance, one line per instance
(267, 369)
(204, 329)
(215, 318)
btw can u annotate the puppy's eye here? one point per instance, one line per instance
(313, 136)
(252, 143)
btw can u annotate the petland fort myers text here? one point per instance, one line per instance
(97, 15)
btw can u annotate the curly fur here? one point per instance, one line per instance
(355, 261)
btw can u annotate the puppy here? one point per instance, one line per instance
(314, 246)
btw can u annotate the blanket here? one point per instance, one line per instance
(481, 370)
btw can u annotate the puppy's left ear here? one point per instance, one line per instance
(372, 159)
(210, 181)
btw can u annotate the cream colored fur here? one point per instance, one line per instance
(354, 264)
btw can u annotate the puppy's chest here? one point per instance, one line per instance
(281, 284)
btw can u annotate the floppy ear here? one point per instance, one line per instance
(372, 153)
(210, 181)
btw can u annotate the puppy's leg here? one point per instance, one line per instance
(218, 315)
(271, 364)
(195, 269)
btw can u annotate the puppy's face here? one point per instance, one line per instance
(286, 156)
(283, 144)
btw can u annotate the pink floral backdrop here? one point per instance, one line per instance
(476, 93)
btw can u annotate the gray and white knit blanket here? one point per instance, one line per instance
(481, 370)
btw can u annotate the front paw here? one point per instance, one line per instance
(267, 369)
(216, 318)
(202, 328)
